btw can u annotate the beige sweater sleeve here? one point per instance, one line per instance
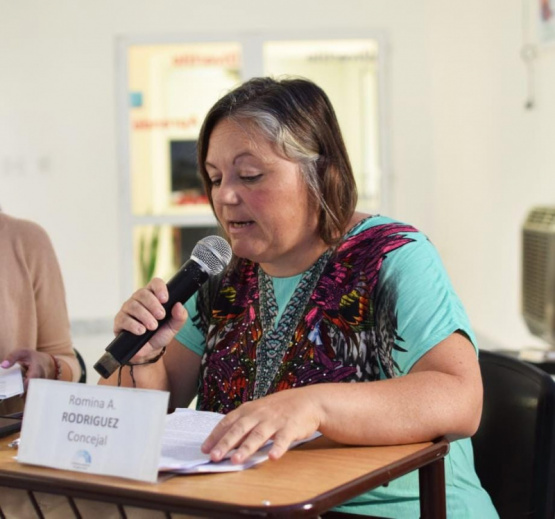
(33, 293)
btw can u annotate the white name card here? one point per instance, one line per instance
(97, 429)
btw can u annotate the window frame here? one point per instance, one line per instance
(252, 65)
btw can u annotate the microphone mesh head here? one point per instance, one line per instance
(213, 253)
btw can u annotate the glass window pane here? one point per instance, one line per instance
(347, 71)
(171, 87)
(159, 250)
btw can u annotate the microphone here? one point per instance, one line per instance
(209, 257)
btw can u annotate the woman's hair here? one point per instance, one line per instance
(296, 116)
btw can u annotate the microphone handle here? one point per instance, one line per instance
(180, 288)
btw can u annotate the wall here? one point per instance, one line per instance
(492, 156)
(467, 159)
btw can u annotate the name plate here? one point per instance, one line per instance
(105, 430)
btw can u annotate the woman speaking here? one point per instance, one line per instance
(326, 320)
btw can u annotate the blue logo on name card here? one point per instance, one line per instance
(81, 460)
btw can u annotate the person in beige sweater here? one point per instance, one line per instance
(34, 331)
(34, 322)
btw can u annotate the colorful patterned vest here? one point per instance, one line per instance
(347, 331)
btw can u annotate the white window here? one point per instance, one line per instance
(165, 90)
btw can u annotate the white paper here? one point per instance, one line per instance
(185, 431)
(11, 381)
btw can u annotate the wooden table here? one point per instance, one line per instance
(307, 481)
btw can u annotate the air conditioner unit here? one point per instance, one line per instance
(538, 272)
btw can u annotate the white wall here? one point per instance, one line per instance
(493, 158)
(468, 160)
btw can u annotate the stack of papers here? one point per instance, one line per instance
(184, 433)
(11, 382)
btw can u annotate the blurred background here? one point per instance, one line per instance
(448, 109)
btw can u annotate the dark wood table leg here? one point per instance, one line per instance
(35, 504)
(432, 490)
(74, 507)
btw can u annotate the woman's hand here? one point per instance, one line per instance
(283, 417)
(142, 311)
(442, 394)
(34, 364)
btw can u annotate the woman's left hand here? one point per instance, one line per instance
(34, 364)
(282, 417)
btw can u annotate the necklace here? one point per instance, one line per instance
(276, 339)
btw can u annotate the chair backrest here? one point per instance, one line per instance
(514, 448)
(82, 365)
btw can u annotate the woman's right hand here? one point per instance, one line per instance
(141, 313)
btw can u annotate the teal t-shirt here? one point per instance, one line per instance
(428, 311)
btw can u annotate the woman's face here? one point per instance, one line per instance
(261, 201)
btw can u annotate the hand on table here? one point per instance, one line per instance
(283, 417)
(141, 313)
(34, 364)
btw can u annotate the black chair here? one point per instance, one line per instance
(83, 367)
(514, 448)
